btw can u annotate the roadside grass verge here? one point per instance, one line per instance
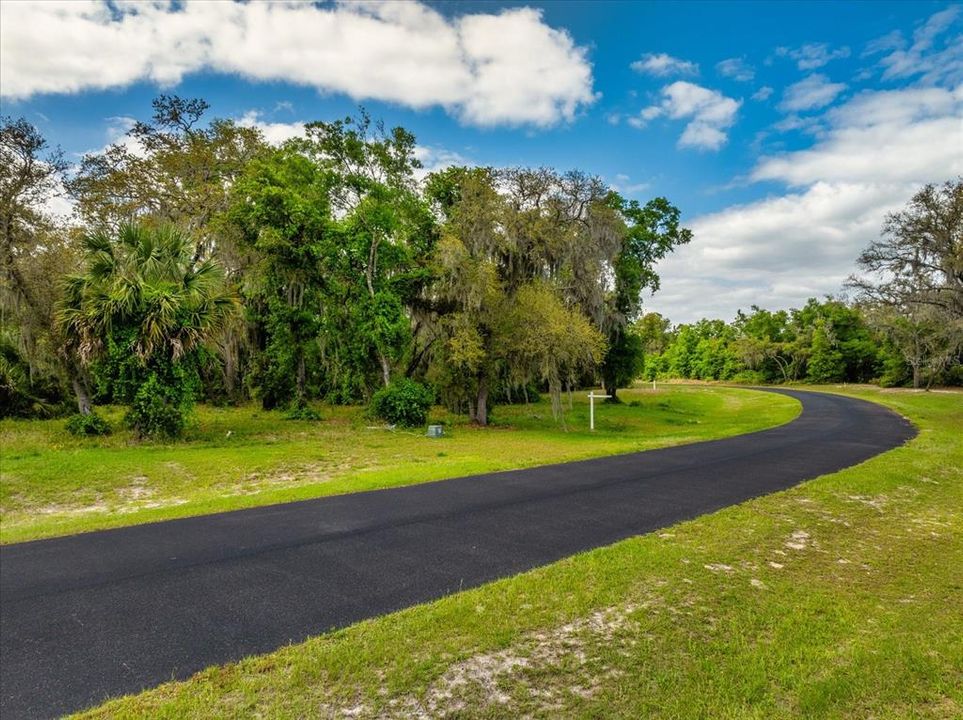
(838, 598)
(52, 483)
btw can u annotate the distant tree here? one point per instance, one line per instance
(513, 290)
(176, 169)
(914, 286)
(34, 249)
(386, 231)
(144, 298)
(281, 213)
(826, 363)
(918, 259)
(926, 340)
(651, 232)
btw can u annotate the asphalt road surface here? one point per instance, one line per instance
(92, 616)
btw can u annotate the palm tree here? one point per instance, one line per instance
(143, 285)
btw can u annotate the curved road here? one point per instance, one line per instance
(91, 616)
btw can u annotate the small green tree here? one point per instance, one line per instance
(826, 363)
(142, 290)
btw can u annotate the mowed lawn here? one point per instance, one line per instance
(53, 484)
(840, 598)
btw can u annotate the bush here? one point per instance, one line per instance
(404, 403)
(160, 409)
(91, 424)
(302, 412)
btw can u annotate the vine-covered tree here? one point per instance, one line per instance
(918, 259)
(34, 248)
(913, 286)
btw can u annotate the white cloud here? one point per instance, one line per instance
(623, 184)
(813, 55)
(434, 158)
(484, 68)
(275, 133)
(710, 114)
(811, 93)
(762, 94)
(795, 122)
(737, 69)
(921, 58)
(877, 150)
(662, 65)
(889, 137)
(889, 41)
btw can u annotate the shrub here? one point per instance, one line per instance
(159, 409)
(404, 403)
(91, 424)
(302, 412)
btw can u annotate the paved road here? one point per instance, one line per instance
(88, 617)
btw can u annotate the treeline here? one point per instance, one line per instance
(203, 263)
(200, 262)
(823, 342)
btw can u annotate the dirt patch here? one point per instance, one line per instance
(798, 540)
(494, 679)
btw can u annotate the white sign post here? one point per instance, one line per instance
(592, 396)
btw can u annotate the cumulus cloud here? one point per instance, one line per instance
(810, 93)
(710, 114)
(813, 55)
(486, 69)
(275, 133)
(662, 65)
(877, 149)
(737, 69)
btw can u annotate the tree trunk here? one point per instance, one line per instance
(917, 377)
(481, 404)
(385, 368)
(302, 374)
(609, 388)
(83, 395)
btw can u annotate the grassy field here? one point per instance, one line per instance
(53, 484)
(839, 598)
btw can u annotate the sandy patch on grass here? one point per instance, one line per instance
(798, 540)
(498, 679)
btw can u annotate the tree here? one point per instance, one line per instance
(651, 232)
(142, 297)
(826, 363)
(387, 232)
(34, 247)
(282, 214)
(914, 289)
(927, 340)
(175, 169)
(918, 260)
(516, 267)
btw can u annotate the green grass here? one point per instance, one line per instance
(839, 598)
(54, 484)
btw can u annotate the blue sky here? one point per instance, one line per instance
(784, 131)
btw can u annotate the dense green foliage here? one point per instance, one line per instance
(404, 402)
(352, 268)
(823, 342)
(87, 424)
(144, 306)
